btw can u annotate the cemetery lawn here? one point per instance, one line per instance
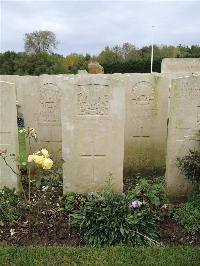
(119, 255)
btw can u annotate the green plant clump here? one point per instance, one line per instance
(190, 165)
(12, 206)
(151, 192)
(72, 201)
(109, 218)
(188, 214)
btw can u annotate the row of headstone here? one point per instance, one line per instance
(106, 118)
(146, 99)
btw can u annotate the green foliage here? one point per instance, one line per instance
(128, 58)
(188, 214)
(151, 192)
(118, 59)
(44, 183)
(22, 149)
(107, 219)
(72, 201)
(12, 206)
(190, 165)
(12, 63)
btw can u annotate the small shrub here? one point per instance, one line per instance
(190, 165)
(188, 214)
(109, 218)
(72, 201)
(151, 192)
(12, 206)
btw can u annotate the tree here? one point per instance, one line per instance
(40, 41)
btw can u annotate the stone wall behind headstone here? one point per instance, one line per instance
(183, 131)
(180, 65)
(8, 134)
(92, 133)
(146, 123)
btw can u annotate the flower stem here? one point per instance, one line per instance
(29, 184)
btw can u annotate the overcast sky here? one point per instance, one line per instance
(89, 26)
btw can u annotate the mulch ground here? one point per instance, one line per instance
(172, 233)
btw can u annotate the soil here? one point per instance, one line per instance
(42, 225)
(49, 226)
(172, 233)
(43, 222)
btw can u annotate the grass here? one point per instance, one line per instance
(61, 255)
(22, 146)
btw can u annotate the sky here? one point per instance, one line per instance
(89, 26)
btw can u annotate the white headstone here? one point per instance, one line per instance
(146, 123)
(8, 134)
(40, 104)
(183, 130)
(92, 133)
(180, 65)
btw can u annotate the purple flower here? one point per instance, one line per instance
(135, 204)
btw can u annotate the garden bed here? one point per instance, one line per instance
(45, 221)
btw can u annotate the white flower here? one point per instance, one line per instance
(30, 158)
(45, 152)
(135, 204)
(12, 232)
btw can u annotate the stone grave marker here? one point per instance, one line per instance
(183, 131)
(92, 133)
(40, 105)
(146, 123)
(180, 65)
(8, 134)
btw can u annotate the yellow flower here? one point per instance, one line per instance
(47, 163)
(38, 159)
(45, 152)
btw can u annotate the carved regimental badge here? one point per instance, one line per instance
(49, 97)
(93, 100)
(142, 93)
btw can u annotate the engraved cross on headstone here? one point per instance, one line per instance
(93, 155)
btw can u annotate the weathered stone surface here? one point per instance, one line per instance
(39, 100)
(95, 68)
(82, 72)
(180, 65)
(183, 128)
(92, 133)
(146, 123)
(8, 133)
(13, 79)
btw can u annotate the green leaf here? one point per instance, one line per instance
(122, 230)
